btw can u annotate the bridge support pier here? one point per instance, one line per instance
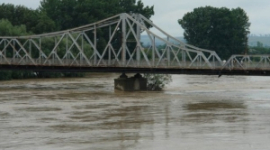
(135, 83)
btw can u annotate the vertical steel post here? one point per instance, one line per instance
(214, 62)
(138, 48)
(123, 19)
(30, 49)
(40, 50)
(82, 47)
(55, 43)
(184, 58)
(67, 51)
(14, 51)
(168, 54)
(110, 49)
(1, 54)
(5, 51)
(95, 45)
(265, 61)
(200, 61)
(153, 50)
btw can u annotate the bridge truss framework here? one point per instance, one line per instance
(114, 44)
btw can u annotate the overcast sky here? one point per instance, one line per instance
(167, 12)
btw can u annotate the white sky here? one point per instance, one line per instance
(167, 12)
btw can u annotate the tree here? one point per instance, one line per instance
(219, 29)
(6, 28)
(259, 49)
(70, 13)
(156, 82)
(35, 21)
(259, 44)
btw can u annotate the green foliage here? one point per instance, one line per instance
(35, 21)
(156, 82)
(69, 13)
(64, 14)
(5, 75)
(6, 28)
(219, 29)
(259, 50)
(44, 24)
(259, 44)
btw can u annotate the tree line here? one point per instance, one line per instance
(259, 49)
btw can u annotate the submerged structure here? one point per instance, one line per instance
(135, 83)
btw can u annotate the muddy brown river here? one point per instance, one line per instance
(192, 113)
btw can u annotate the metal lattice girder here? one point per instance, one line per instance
(118, 45)
(206, 58)
(248, 62)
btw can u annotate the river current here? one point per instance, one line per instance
(191, 113)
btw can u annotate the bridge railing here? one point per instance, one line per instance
(248, 62)
(106, 63)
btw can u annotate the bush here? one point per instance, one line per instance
(156, 82)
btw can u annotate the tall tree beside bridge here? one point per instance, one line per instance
(219, 29)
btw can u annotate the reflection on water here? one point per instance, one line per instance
(36, 109)
(212, 105)
(86, 113)
(211, 111)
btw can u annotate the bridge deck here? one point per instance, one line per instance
(192, 71)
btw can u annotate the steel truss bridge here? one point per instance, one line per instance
(114, 45)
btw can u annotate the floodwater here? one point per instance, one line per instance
(192, 113)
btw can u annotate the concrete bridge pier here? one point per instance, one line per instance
(135, 83)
